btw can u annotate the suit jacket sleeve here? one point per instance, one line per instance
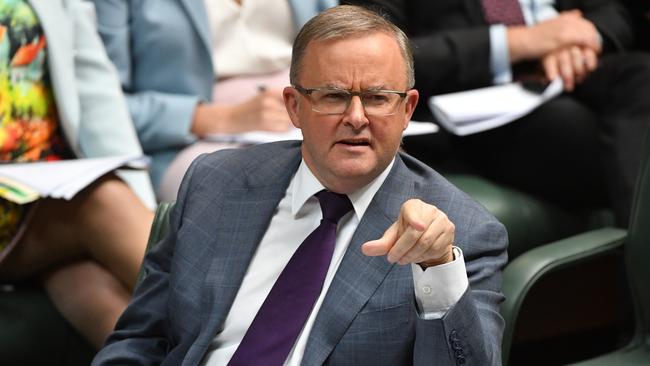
(451, 42)
(472, 330)
(445, 59)
(611, 18)
(142, 335)
(162, 120)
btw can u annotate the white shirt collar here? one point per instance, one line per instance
(304, 185)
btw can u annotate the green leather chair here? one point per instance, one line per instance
(530, 221)
(158, 231)
(530, 268)
(32, 332)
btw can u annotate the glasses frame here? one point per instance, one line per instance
(308, 91)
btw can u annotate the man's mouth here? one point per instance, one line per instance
(355, 142)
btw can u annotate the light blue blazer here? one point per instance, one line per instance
(162, 49)
(92, 112)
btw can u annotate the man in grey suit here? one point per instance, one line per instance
(413, 276)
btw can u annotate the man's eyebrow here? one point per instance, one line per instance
(376, 87)
(339, 87)
(334, 86)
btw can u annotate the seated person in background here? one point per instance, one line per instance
(381, 281)
(60, 102)
(581, 148)
(171, 54)
(640, 10)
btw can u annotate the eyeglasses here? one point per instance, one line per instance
(376, 102)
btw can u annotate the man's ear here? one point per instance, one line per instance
(291, 103)
(412, 97)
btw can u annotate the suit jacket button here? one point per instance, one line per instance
(453, 336)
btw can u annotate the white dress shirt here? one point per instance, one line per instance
(251, 38)
(298, 214)
(534, 11)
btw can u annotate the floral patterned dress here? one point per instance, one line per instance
(29, 126)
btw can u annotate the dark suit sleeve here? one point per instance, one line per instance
(142, 335)
(452, 44)
(472, 329)
(611, 18)
(451, 50)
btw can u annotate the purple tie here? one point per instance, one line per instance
(506, 12)
(277, 324)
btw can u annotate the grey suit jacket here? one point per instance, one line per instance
(92, 111)
(369, 315)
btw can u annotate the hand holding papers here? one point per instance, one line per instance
(473, 111)
(26, 182)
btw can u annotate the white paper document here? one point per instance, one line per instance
(472, 111)
(260, 137)
(26, 182)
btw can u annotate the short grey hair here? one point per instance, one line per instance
(347, 21)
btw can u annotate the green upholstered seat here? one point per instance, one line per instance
(32, 332)
(530, 221)
(531, 267)
(158, 231)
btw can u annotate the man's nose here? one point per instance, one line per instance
(355, 115)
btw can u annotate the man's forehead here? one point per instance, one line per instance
(374, 54)
(323, 44)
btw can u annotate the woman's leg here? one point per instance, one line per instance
(88, 296)
(106, 222)
(89, 251)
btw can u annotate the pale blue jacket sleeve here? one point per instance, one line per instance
(104, 127)
(162, 120)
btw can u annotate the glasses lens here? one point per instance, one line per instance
(330, 101)
(380, 103)
(336, 101)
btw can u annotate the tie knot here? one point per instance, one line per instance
(333, 205)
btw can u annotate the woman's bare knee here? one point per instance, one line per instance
(106, 221)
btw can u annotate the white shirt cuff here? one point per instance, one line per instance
(438, 288)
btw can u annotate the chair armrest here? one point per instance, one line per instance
(523, 272)
(159, 229)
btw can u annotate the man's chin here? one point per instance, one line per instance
(355, 172)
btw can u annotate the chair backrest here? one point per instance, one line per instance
(637, 250)
(159, 229)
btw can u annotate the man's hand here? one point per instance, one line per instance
(422, 234)
(568, 29)
(572, 64)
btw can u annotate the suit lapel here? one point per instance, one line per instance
(248, 216)
(358, 276)
(198, 14)
(244, 215)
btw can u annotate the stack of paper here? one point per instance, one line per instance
(26, 182)
(260, 137)
(473, 111)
